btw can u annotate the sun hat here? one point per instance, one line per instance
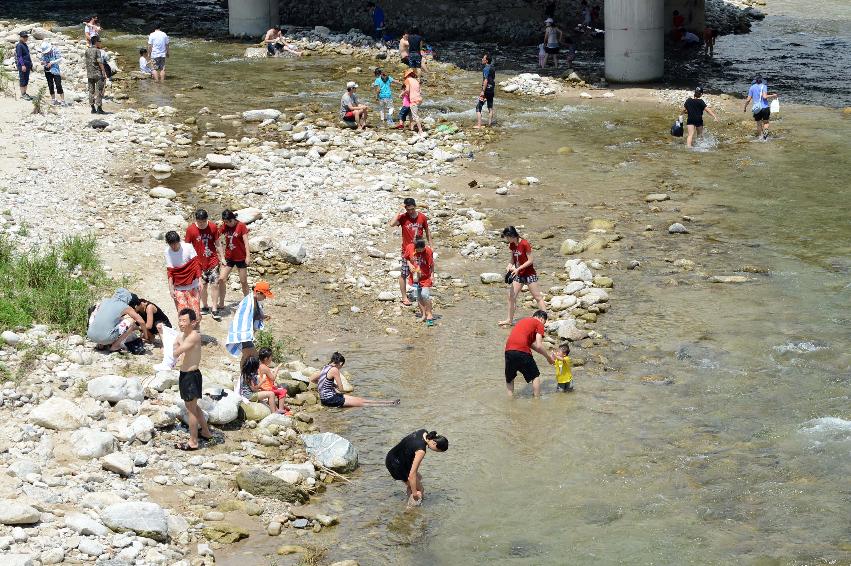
(351, 84)
(45, 47)
(263, 287)
(410, 72)
(548, 21)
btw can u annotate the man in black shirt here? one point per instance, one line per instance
(694, 107)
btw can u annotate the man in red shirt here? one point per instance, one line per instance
(527, 335)
(184, 274)
(420, 262)
(414, 225)
(237, 253)
(204, 236)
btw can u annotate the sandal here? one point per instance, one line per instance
(186, 447)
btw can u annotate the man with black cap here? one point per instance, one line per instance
(96, 75)
(694, 108)
(24, 63)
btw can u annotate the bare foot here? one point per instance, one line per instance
(504, 323)
(478, 126)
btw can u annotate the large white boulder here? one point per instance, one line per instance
(162, 192)
(89, 443)
(16, 513)
(260, 115)
(248, 215)
(476, 227)
(276, 419)
(163, 380)
(85, 525)
(489, 278)
(293, 252)
(141, 517)
(296, 473)
(220, 412)
(114, 388)
(332, 451)
(218, 161)
(578, 271)
(592, 296)
(562, 302)
(58, 413)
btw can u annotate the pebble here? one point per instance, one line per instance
(677, 228)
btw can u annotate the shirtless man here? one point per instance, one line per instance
(274, 40)
(404, 48)
(188, 345)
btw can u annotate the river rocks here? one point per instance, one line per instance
(143, 518)
(561, 303)
(10, 337)
(490, 278)
(85, 525)
(216, 161)
(254, 411)
(225, 533)
(88, 443)
(729, 279)
(118, 463)
(15, 513)
(221, 412)
(162, 168)
(163, 380)
(260, 115)
(571, 247)
(677, 228)
(283, 422)
(17, 559)
(601, 281)
(293, 253)
(90, 547)
(114, 388)
(656, 197)
(578, 271)
(592, 296)
(566, 329)
(58, 414)
(248, 215)
(531, 84)
(475, 227)
(162, 192)
(296, 473)
(332, 451)
(262, 483)
(52, 556)
(387, 296)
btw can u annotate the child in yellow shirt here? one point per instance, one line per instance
(561, 361)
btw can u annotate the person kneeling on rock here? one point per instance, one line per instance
(329, 382)
(113, 322)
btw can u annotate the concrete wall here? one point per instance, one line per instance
(508, 21)
(251, 17)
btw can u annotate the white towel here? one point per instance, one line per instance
(169, 337)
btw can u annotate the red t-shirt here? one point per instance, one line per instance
(204, 242)
(424, 260)
(520, 255)
(412, 228)
(234, 243)
(523, 335)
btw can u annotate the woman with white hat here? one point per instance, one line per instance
(552, 41)
(50, 58)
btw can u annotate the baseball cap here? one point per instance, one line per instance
(699, 89)
(548, 21)
(263, 287)
(351, 84)
(23, 34)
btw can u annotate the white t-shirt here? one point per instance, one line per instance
(158, 41)
(143, 65)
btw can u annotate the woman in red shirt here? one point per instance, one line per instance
(521, 271)
(237, 253)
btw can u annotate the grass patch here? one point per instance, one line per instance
(55, 286)
(5, 374)
(5, 75)
(26, 364)
(313, 555)
(282, 350)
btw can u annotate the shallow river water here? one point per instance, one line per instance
(742, 456)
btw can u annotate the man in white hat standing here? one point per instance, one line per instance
(552, 41)
(350, 109)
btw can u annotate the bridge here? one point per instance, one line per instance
(634, 35)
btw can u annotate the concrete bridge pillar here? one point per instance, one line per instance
(252, 17)
(635, 40)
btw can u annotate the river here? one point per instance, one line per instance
(734, 448)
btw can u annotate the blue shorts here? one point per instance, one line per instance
(415, 60)
(24, 77)
(425, 292)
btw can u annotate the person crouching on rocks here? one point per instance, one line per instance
(350, 109)
(329, 382)
(403, 461)
(154, 318)
(113, 322)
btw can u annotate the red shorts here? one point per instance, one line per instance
(280, 392)
(349, 116)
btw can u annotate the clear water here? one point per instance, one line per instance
(742, 459)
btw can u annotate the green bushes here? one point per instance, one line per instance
(55, 286)
(280, 349)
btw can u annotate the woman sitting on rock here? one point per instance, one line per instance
(403, 461)
(521, 271)
(329, 382)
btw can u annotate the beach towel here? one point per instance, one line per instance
(242, 326)
(169, 337)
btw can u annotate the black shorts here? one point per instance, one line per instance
(552, 50)
(517, 361)
(336, 401)
(488, 99)
(695, 123)
(237, 264)
(763, 115)
(396, 469)
(526, 279)
(189, 383)
(24, 77)
(415, 61)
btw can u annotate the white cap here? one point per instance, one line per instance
(45, 47)
(351, 84)
(548, 21)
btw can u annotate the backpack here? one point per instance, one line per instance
(677, 128)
